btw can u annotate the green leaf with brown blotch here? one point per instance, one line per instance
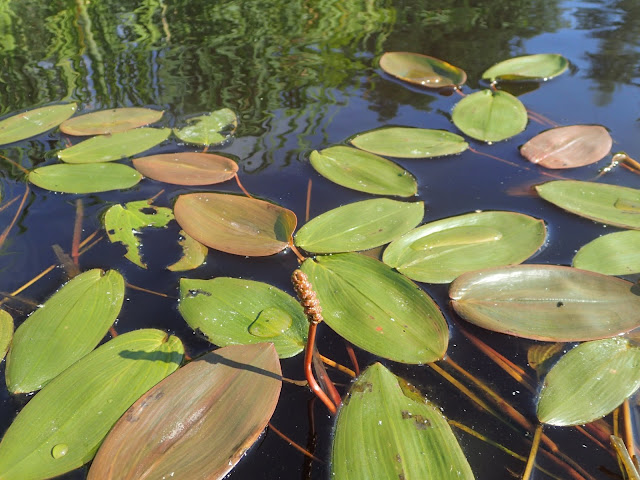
(110, 121)
(187, 168)
(6, 332)
(422, 70)
(198, 422)
(387, 429)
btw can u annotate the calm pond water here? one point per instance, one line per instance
(303, 76)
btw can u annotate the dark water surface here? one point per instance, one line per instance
(302, 75)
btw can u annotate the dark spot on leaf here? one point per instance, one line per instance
(401, 476)
(111, 231)
(421, 422)
(362, 387)
(148, 211)
(196, 292)
(398, 458)
(560, 304)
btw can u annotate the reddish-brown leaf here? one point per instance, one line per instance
(199, 422)
(235, 224)
(187, 168)
(568, 147)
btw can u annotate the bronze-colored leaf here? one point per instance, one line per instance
(187, 168)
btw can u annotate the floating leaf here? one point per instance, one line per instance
(193, 254)
(34, 122)
(110, 121)
(614, 254)
(363, 171)
(6, 332)
(568, 147)
(542, 66)
(123, 224)
(226, 311)
(107, 148)
(601, 202)
(377, 309)
(589, 382)
(490, 116)
(546, 302)
(207, 129)
(197, 423)
(68, 326)
(387, 429)
(62, 426)
(90, 178)
(541, 355)
(359, 226)
(404, 142)
(422, 70)
(187, 168)
(235, 224)
(440, 251)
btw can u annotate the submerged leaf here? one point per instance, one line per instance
(363, 171)
(589, 382)
(34, 122)
(601, 202)
(568, 147)
(123, 224)
(6, 332)
(235, 224)
(440, 251)
(406, 142)
(68, 326)
(187, 168)
(386, 429)
(62, 426)
(541, 66)
(614, 254)
(546, 302)
(110, 121)
(377, 309)
(89, 178)
(234, 311)
(193, 254)
(490, 116)
(197, 423)
(359, 226)
(207, 129)
(107, 148)
(422, 70)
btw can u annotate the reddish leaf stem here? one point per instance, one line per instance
(532, 454)
(308, 370)
(293, 444)
(9, 203)
(241, 187)
(308, 204)
(15, 164)
(141, 289)
(6, 231)
(352, 357)
(77, 232)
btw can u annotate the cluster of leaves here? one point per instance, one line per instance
(372, 304)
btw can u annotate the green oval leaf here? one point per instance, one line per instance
(541, 66)
(490, 116)
(197, 423)
(123, 224)
(28, 124)
(614, 254)
(422, 70)
(611, 204)
(405, 142)
(68, 326)
(589, 382)
(208, 129)
(378, 309)
(187, 168)
(6, 332)
(440, 251)
(359, 226)
(226, 311)
(62, 426)
(363, 171)
(546, 302)
(90, 178)
(386, 429)
(110, 121)
(568, 147)
(235, 224)
(107, 148)
(193, 254)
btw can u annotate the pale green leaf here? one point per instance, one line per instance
(90, 178)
